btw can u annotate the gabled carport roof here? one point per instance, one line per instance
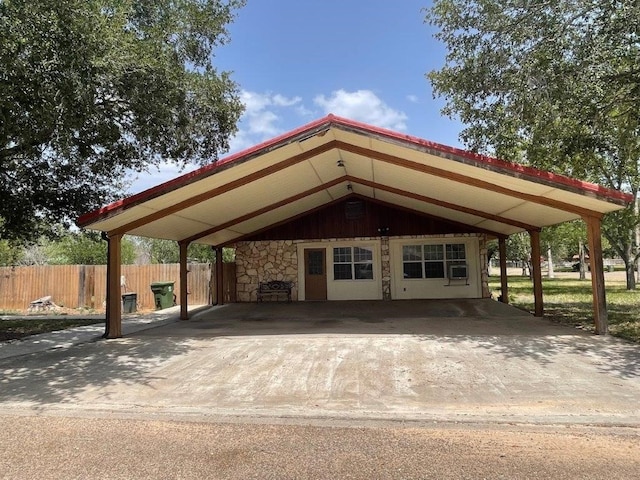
(333, 158)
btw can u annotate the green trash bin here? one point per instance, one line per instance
(129, 302)
(163, 294)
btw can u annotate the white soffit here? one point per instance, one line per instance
(428, 208)
(299, 172)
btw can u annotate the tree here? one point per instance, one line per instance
(554, 84)
(86, 248)
(10, 254)
(519, 250)
(167, 251)
(90, 89)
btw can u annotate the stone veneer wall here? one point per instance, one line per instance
(263, 261)
(484, 265)
(385, 260)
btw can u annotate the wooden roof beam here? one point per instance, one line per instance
(441, 203)
(466, 180)
(265, 209)
(252, 177)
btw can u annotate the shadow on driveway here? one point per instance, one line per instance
(500, 329)
(58, 376)
(339, 359)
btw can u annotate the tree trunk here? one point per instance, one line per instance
(582, 260)
(550, 272)
(636, 210)
(630, 267)
(631, 275)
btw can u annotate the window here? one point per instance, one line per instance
(433, 260)
(353, 263)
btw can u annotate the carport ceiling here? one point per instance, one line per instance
(333, 158)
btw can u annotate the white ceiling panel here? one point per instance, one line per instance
(325, 166)
(283, 213)
(538, 216)
(126, 217)
(170, 228)
(443, 189)
(498, 227)
(248, 191)
(428, 208)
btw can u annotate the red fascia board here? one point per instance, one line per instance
(187, 178)
(490, 162)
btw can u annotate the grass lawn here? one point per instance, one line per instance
(14, 328)
(569, 301)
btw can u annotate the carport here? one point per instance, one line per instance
(316, 184)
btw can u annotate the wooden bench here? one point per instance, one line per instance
(275, 288)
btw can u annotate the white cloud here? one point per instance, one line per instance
(364, 106)
(266, 115)
(263, 123)
(413, 98)
(282, 101)
(254, 102)
(304, 111)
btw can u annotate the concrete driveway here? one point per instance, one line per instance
(463, 360)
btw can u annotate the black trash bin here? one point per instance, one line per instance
(129, 302)
(163, 294)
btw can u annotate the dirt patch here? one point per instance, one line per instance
(20, 327)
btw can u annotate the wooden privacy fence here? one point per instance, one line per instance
(76, 286)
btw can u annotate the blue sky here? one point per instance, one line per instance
(298, 60)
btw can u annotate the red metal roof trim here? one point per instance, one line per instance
(187, 178)
(492, 162)
(330, 120)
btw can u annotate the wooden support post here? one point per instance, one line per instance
(594, 237)
(184, 291)
(113, 328)
(504, 284)
(219, 277)
(536, 272)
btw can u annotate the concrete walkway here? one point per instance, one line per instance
(460, 361)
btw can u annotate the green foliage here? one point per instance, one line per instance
(493, 249)
(569, 301)
(92, 88)
(168, 251)
(86, 248)
(564, 239)
(10, 253)
(552, 84)
(161, 251)
(519, 249)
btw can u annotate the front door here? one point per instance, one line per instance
(315, 274)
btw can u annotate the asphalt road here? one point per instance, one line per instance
(46, 447)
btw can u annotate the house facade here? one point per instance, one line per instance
(349, 211)
(360, 250)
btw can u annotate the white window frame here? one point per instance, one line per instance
(353, 262)
(446, 261)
